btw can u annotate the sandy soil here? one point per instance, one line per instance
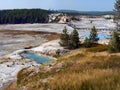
(51, 27)
(14, 40)
(11, 41)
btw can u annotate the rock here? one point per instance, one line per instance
(58, 70)
(59, 65)
(44, 81)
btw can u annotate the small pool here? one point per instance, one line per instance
(37, 58)
(100, 35)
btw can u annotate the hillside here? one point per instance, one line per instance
(21, 16)
(94, 13)
(81, 69)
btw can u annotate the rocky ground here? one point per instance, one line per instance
(9, 70)
(14, 62)
(15, 40)
(11, 41)
(49, 27)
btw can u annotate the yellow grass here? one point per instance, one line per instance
(79, 70)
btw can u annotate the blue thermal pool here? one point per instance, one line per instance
(37, 58)
(100, 35)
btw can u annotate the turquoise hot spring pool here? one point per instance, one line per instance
(37, 58)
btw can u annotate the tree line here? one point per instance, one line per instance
(69, 41)
(72, 41)
(21, 16)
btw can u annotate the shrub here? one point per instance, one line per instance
(74, 40)
(69, 41)
(64, 38)
(114, 45)
(93, 35)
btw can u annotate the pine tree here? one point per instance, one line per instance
(74, 40)
(117, 14)
(114, 45)
(117, 8)
(64, 38)
(93, 35)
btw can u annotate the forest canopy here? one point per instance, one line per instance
(21, 16)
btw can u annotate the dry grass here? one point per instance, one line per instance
(79, 70)
(15, 32)
(98, 48)
(12, 86)
(53, 36)
(47, 35)
(90, 80)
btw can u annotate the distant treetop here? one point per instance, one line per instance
(19, 16)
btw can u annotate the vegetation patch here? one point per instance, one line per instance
(98, 48)
(21, 16)
(79, 70)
